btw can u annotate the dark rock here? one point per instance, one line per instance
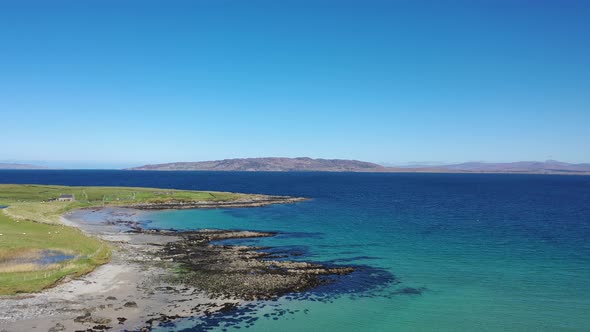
(130, 304)
(226, 307)
(410, 291)
(58, 327)
(83, 318)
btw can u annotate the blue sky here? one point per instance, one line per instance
(117, 83)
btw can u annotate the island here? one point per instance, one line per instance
(270, 164)
(95, 276)
(305, 164)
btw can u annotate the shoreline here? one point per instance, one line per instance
(138, 289)
(255, 201)
(124, 294)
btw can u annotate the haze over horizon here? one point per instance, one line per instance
(113, 85)
(118, 165)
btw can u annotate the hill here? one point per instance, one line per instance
(528, 167)
(19, 166)
(268, 164)
(341, 165)
(548, 166)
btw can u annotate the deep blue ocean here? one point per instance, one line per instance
(435, 252)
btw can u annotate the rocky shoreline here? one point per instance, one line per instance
(253, 201)
(242, 272)
(157, 276)
(133, 292)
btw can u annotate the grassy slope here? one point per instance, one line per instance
(31, 224)
(23, 237)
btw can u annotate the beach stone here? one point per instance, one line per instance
(101, 321)
(58, 327)
(130, 304)
(84, 318)
(111, 298)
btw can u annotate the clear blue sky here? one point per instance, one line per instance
(101, 83)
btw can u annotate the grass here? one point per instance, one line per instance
(20, 238)
(31, 223)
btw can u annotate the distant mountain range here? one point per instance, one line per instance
(340, 165)
(520, 167)
(19, 166)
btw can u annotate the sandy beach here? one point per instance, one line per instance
(129, 293)
(140, 287)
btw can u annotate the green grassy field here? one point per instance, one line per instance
(31, 224)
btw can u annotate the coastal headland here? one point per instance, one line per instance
(121, 276)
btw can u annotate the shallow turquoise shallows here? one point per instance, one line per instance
(466, 253)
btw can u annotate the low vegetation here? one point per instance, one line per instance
(30, 227)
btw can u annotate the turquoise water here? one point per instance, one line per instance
(483, 252)
(520, 267)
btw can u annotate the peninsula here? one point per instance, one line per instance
(30, 223)
(140, 277)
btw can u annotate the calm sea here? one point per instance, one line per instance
(435, 252)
